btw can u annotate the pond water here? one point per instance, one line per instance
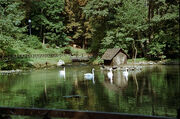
(154, 90)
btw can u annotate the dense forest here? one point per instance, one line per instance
(143, 28)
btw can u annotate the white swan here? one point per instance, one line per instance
(62, 73)
(89, 75)
(60, 63)
(110, 75)
(125, 74)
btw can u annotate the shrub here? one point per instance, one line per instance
(53, 45)
(33, 41)
(67, 50)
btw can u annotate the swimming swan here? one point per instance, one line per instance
(89, 75)
(62, 73)
(60, 63)
(110, 75)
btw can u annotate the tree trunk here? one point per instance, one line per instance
(141, 44)
(150, 15)
(41, 29)
(134, 52)
(3, 54)
(43, 39)
(40, 33)
(83, 43)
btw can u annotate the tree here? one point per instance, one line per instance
(12, 31)
(11, 28)
(99, 13)
(47, 21)
(143, 28)
(165, 24)
(129, 24)
(77, 27)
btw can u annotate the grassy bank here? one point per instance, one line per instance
(48, 62)
(159, 62)
(141, 61)
(40, 62)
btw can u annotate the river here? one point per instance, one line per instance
(154, 90)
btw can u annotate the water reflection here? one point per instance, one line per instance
(110, 75)
(125, 74)
(154, 90)
(120, 80)
(62, 73)
(115, 80)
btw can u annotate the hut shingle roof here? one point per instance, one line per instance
(111, 53)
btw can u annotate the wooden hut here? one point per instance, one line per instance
(115, 57)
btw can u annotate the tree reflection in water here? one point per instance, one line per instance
(153, 91)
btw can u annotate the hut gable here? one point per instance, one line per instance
(115, 57)
(111, 53)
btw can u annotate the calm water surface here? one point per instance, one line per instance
(155, 90)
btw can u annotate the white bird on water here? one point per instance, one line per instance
(125, 74)
(89, 75)
(62, 73)
(60, 63)
(110, 75)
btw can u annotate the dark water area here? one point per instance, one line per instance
(154, 90)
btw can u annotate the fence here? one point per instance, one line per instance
(21, 56)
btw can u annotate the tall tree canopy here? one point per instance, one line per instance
(47, 21)
(144, 28)
(12, 15)
(77, 27)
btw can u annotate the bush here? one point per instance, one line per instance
(67, 50)
(96, 60)
(53, 45)
(33, 41)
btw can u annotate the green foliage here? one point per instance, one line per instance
(147, 28)
(33, 41)
(11, 15)
(47, 18)
(14, 64)
(150, 29)
(77, 27)
(96, 61)
(99, 13)
(5, 44)
(74, 51)
(156, 50)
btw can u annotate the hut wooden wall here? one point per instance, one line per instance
(119, 59)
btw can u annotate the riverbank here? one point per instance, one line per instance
(28, 61)
(38, 63)
(48, 62)
(143, 61)
(67, 52)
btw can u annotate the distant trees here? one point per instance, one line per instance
(47, 21)
(164, 28)
(144, 28)
(99, 14)
(78, 28)
(11, 27)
